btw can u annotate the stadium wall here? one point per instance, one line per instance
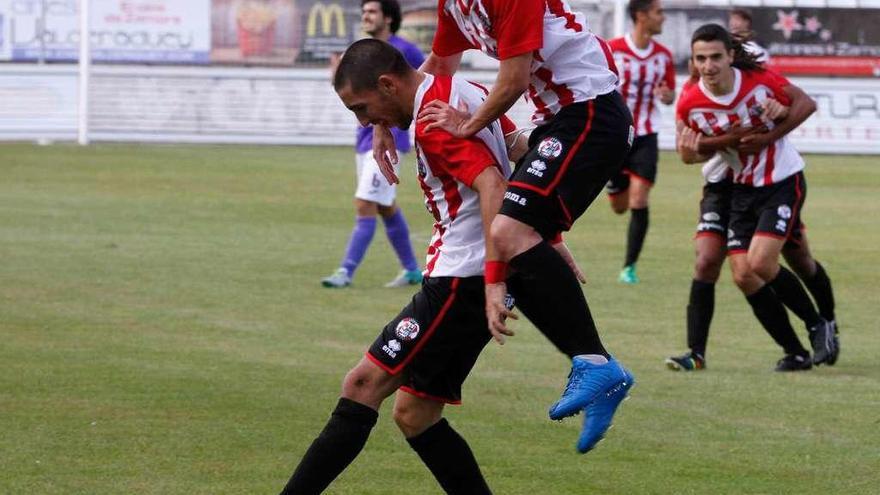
(298, 106)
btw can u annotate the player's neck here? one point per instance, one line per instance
(640, 37)
(724, 84)
(383, 35)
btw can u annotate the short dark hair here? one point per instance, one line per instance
(742, 59)
(390, 8)
(364, 61)
(636, 6)
(744, 13)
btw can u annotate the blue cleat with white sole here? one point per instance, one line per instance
(586, 382)
(599, 413)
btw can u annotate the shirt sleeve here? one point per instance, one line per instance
(448, 40)
(518, 26)
(777, 83)
(670, 73)
(463, 159)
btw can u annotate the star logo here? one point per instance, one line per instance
(812, 24)
(787, 23)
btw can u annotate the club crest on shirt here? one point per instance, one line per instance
(550, 148)
(407, 329)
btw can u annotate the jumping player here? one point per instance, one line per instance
(769, 189)
(647, 78)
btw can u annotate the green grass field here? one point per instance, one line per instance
(163, 331)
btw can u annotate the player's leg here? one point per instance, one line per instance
(582, 148)
(770, 312)
(346, 432)
(397, 231)
(642, 163)
(618, 192)
(370, 185)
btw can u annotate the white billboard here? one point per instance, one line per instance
(160, 31)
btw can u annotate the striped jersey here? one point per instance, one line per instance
(447, 167)
(640, 71)
(714, 115)
(570, 64)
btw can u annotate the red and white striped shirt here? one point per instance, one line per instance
(714, 115)
(447, 167)
(571, 64)
(640, 71)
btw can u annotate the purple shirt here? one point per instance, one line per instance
(414, 57)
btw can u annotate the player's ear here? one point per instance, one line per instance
(387, 85)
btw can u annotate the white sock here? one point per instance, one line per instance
(593, 358)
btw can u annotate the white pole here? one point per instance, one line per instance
(619, 17)
(84, 62)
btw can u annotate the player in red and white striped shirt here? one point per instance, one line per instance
(647, 79)
(726, 108)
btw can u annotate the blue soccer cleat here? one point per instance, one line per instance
(585, 382)
(599, 413)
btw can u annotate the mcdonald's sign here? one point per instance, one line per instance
(327, 13)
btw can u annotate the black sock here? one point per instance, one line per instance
(700, 309)
(819, 286)
(771, 313)
(450, 459)
(549, 295)
(792, 294)
(635, 237)
(339, 443)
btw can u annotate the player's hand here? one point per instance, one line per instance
(754, 142)
(385, 153)
(689, 140)
(774, 110)
(662, 91)
(563, 251)
(497, 312)
(442, 116)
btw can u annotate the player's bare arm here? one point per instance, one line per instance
(511, 83)
(517, 144)
(440, 65)
(688, 146)
(802, 106)
(491, 186)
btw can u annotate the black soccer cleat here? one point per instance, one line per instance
(825, 346)
(794, 362)
(833, 358)
(690, 361)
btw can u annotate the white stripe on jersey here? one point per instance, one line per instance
(570, 67)
(457, 246)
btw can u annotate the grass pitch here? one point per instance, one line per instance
(163, 331)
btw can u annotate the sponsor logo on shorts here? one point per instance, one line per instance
(732, 243)
(703, 226)
(550, 148)
(711, 216)
(632, 135)
(516, 198)
(537, 168)
(784, 212)
(781, 225)
(407, 329)
(391, 348)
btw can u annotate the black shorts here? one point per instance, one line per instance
(641, 163)
(436, 338)
(569, 161)
(773, 211)
(715, 208)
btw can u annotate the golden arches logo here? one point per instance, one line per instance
(327, 13)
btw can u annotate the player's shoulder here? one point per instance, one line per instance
(691, 96)
(618, 44)
(662, 49)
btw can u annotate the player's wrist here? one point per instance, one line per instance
(495, 272)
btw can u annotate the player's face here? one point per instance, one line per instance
(654, 17)
(373, 21)
(374, 106)
(713, 62)
(738, 25)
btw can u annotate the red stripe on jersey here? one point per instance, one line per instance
(483, 88)
(626, 77)
(540, 106)
(566, 97)
(433, 326)
(429, 199)
(558, 9)
(609, 57)
(653, 82)
(637, 109)
(769, 164)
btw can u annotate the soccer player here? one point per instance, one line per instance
(739, 23)
(769, 187)
(584, 131)
(380, 19)
(647, 78)
(427, 351)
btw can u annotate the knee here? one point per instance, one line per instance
(361, 386)
(618, 205)
(411, 421)
(764, 268)
(746, 280)
(708, 268)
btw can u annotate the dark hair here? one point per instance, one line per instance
(741, 58)
(745, 14)
(364, 61)
(636, 6)
(390, 8)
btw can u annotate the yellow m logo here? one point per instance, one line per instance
(327, 13)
